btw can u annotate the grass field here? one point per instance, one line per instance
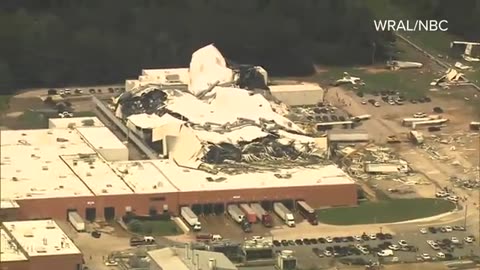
(154, 227)
(387, 211)
(33, 120)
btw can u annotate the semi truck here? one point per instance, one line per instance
(236, 213)
(262, 215)
(249, 213)
(77, 221)
(190, 217)
(284, 214)
(307, 212)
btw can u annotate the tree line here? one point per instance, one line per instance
(61, 42)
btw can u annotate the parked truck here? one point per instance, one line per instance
(190, 217)
(249, 213)
(307, 212)
(284, 214)
(235, 213)
(262, 215)
(77, 221)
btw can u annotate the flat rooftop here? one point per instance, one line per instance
(8, 204)
(144, 177)
(97, 174)
(292, 86)
(30, 157)
(41, 238)
(74, 122)
(196, 180)
(101, 138)
(9, 251)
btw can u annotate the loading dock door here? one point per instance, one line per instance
(109, 213)
(71, 210)
(91, 214)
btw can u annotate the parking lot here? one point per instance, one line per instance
(363, 248)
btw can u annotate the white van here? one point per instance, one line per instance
(385, 253)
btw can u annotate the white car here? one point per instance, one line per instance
(391, 102)
(454, 240)
(385, 253)
(426, 257)
(394, 247)
(452, 198)
(448, 228)
(468, 239)
(364, 102)
(419, 115)
(258, 238)
(442, 194)
(441, 255)
(372, 236)
(402, 243)
(327, 253)
(65, 115)
(423, 231)
(328, 239)
(358, 238)
(364, 251)
(376, 104)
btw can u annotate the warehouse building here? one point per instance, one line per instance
(188, 259)
(74, 122)
(296, 93)
(37, 245)
(82, 180)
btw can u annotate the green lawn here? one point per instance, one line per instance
(33, 120)
(151, 227)
(387, 211)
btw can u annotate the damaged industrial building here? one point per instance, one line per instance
(219, 137)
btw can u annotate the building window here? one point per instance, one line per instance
(157, 199)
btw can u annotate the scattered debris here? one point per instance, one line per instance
(470, 51)
(396, 65)
(347, 79)
(462, 66)
(451, 77)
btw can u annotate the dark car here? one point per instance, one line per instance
(291, 242)
(365, 237)
(432, 229)
(110, 90)
(388, 236)
(380, 236)
(325, 118)
(322, 240)
(334, 118)
(427, 99)
(313, 241)
(299, 242)
(284, 243)
(306, 241)
(421, 100)
(350, 238)
(337, 239)
(437, 110)
(276, 243)
(413, 101)
(52, 92)
(96, 234)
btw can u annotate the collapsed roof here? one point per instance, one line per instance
(215, 120)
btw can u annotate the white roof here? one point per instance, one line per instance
(176, 259)
(75, 121)
(9, 250)
(196, 180)
(143, 177)
(167, 75)
(294, 87)
(8, 204)
(236, 135)
(101, 138)
(225, 105)
(29, 157)
(41, 238)
(149, 121)
(97, 175)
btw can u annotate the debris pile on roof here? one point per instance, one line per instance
(217, 120)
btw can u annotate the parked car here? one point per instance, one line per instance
(322, 240)
(96, 234)
(298, 242)
(432, 229)
(437, 110)
(425, 257)
(388, 236)
(423, 230)
(403, 243)
(419, 115)
(328, 239)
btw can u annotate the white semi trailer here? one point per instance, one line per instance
(284, 214)
(77, 221)
(190, 217)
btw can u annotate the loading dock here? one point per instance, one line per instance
(109, 213)
(91, 214)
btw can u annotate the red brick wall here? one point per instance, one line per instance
(316, 196)
(57, 207)
(60, 262)
(19, 265)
